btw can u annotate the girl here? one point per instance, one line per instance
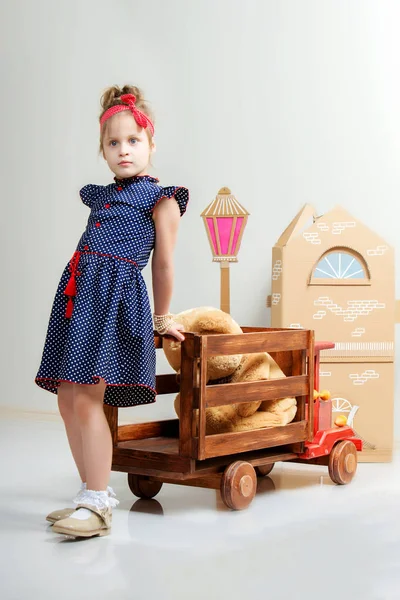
(100, 341)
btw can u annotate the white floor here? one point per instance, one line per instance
(301, 538)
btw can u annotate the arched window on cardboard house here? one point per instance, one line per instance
(340, 266)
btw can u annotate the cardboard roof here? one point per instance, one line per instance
(301, 220)
(306, 219)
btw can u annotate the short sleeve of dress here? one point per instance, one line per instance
(181, 195)
(89, 193)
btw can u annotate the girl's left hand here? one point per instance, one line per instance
(174, 330)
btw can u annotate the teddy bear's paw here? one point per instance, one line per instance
(261, 420)
(220, 419)
(278, 406)
(222, 366)
(253, 367)
(246, 409)
(290, 414)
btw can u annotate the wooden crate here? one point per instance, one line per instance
(181, 447)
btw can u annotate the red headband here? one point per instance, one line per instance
(141, 119)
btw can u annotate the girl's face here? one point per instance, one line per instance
(126, 146)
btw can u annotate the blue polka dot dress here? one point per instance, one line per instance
(101, 323)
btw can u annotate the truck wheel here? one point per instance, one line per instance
(238, 485)
(142, 487)
(343, 462)
(264, 470)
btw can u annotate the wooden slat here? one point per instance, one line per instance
(246, 329)
(310, 433)
(157, 340)
(141, 431)
(267, 341)
(256, 458)
(299, 368)
(159, 454)
(186, 396)
(202, 397)
(243, 441)
(157, 445)
(167, 384)
(252, 391)
(149, 470)
(138, 462)
(196, 469)
(321, 460)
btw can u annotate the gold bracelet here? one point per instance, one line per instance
(163, 322)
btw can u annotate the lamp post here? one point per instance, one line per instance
(225, 220)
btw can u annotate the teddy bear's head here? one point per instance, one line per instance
(236, 368)
(205, 320)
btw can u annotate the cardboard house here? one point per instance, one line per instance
(333, 274)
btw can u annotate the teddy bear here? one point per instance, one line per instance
(231, 369)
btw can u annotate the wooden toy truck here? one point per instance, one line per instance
(179, 451)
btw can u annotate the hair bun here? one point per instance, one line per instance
(109, 97)
(131, 89)
(112, 95)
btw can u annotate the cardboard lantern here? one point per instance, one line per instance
(225, 220)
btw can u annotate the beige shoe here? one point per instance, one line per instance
(57, 515)
(64, 513)
(99, 523)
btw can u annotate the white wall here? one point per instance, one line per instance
(284, 101)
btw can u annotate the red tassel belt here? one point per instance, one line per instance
(70, 288)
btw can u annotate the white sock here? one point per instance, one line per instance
(98, 498)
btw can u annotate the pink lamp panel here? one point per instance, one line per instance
(238, 227)
(224, 227)
(210, 225)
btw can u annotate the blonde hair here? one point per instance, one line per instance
(111, 97)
